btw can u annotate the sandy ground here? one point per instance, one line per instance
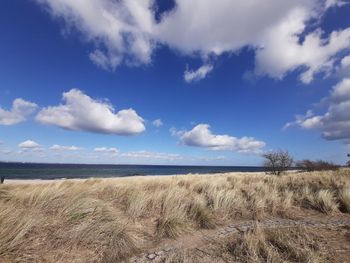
(40, 181)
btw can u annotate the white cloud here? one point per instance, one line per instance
(283, 52)
(121, 30)
(1, 142)
(20, 110)
(152, 155)
(273, 29)
(208, 159)
(196, 75)
(82, 113)
(174, 132)
(345, 62)
(307, 121)
(104, 61)
(344, 67)
(277, 30)
(6, 152)
(111, 150)
(57, 147)
(334, 123)
(201, 136)
(157, 123)
(330, 3)
(222, 30)
(29, 144)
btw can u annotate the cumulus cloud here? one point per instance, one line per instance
(19, 112)
(121, 30)
(106, 150)
(345, 62)
(307, 121)
(196, 75)
(344, 67)
(277, 30)
(334, 123)
(57, 147)
(273, 29)
(201, 136)
(283, 51)
(157, 123)
(29, 144)
(79, 112)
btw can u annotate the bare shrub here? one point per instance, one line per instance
(277, 162)
(310, 166)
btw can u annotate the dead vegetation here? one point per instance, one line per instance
(310, 166)
(287, 245)
(108, 220)
(294, 245)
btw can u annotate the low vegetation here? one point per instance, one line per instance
(108, 220)
(319, 165)
(288, 245)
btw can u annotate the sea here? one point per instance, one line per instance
(46, 171)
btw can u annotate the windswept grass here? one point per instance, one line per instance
(344, 200)
(109, 220)
(287, 245)
(291, 245)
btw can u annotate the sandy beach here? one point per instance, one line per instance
(116, 179)
(137, 177)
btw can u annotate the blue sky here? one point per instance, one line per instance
(85, 81)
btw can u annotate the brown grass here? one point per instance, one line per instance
(287, 245)
(108, 220)
(297, 245)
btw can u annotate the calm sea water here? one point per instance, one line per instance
(56, 171)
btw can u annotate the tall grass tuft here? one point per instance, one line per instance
(288, 245)
(344, 199)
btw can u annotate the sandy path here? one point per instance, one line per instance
(200, 239)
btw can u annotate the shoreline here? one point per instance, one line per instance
(58, 180)
(136, 177)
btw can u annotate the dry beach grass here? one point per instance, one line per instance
(110, 220)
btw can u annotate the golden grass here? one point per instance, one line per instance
(297, 245)
(344, 199)
(107, 220)
(287, 245)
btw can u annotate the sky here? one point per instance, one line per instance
(186, 82)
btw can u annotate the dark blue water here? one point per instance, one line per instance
(56, 171)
